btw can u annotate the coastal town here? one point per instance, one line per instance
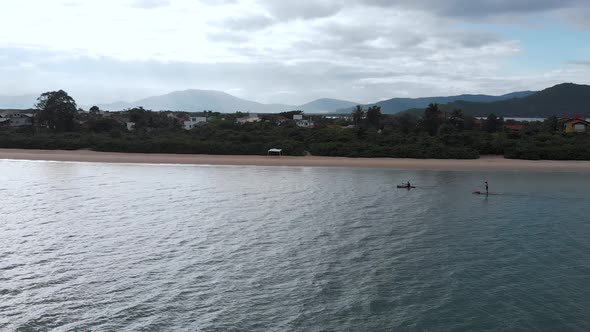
(455, 130)
(188, 121)
(195, 120)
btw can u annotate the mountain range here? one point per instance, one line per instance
(396, 105)
(563, 100)
(192, 101)
(197, 101)
(325, 105)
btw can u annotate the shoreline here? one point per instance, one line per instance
(485, 163)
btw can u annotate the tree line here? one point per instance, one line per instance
(367, 133)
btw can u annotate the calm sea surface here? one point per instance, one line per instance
(99, 247)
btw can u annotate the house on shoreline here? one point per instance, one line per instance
(250, 118)
(16, 119)
(576, 125)
(514, 127)
(193, 122)
(301, 122)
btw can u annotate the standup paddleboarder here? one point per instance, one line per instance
(487, 188)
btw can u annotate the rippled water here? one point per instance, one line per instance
(181, 248)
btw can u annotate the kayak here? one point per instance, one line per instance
(406, 187)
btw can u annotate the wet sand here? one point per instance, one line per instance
(486, 163)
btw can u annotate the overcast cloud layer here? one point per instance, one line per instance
(288, 51)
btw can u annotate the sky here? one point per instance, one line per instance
(280, 51)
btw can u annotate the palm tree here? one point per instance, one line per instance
(357, 115)
(457, 120)
(432, 119)
(374, 115)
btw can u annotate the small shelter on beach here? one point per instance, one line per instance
(275, 152)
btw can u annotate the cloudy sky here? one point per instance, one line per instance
(291, 51)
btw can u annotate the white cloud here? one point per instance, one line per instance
(150, 4)
(358, 49)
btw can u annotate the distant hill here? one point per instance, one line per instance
(396, 105)
(197, 101)
(18, 102)
(325, 105)
(114, 106)
(563, 100)
(415, 112)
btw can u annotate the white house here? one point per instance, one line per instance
(301, 122)
(18, 119)
(247, 119)
(305, 123)
(130, 126)
(193, 121)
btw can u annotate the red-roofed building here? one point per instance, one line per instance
(514, 127)
(576, 125)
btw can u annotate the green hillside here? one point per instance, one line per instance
(563, 100)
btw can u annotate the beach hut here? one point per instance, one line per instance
(275, 152)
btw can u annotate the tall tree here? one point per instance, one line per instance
(94, 109)
(57, 110)
(457, 120)
(93, 112)
(374, 116)
(432, 119)
(285, 114)
(139, 116)
(551, 123)
(357, 115)
(493, 123)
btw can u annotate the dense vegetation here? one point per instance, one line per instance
(367, 133)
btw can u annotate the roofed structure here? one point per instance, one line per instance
(576, 125)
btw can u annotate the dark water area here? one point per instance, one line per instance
(103, 247)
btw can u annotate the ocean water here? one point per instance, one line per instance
(103, 247)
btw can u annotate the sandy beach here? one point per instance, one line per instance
(486, 163)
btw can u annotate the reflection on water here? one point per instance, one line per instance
(131, 247)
